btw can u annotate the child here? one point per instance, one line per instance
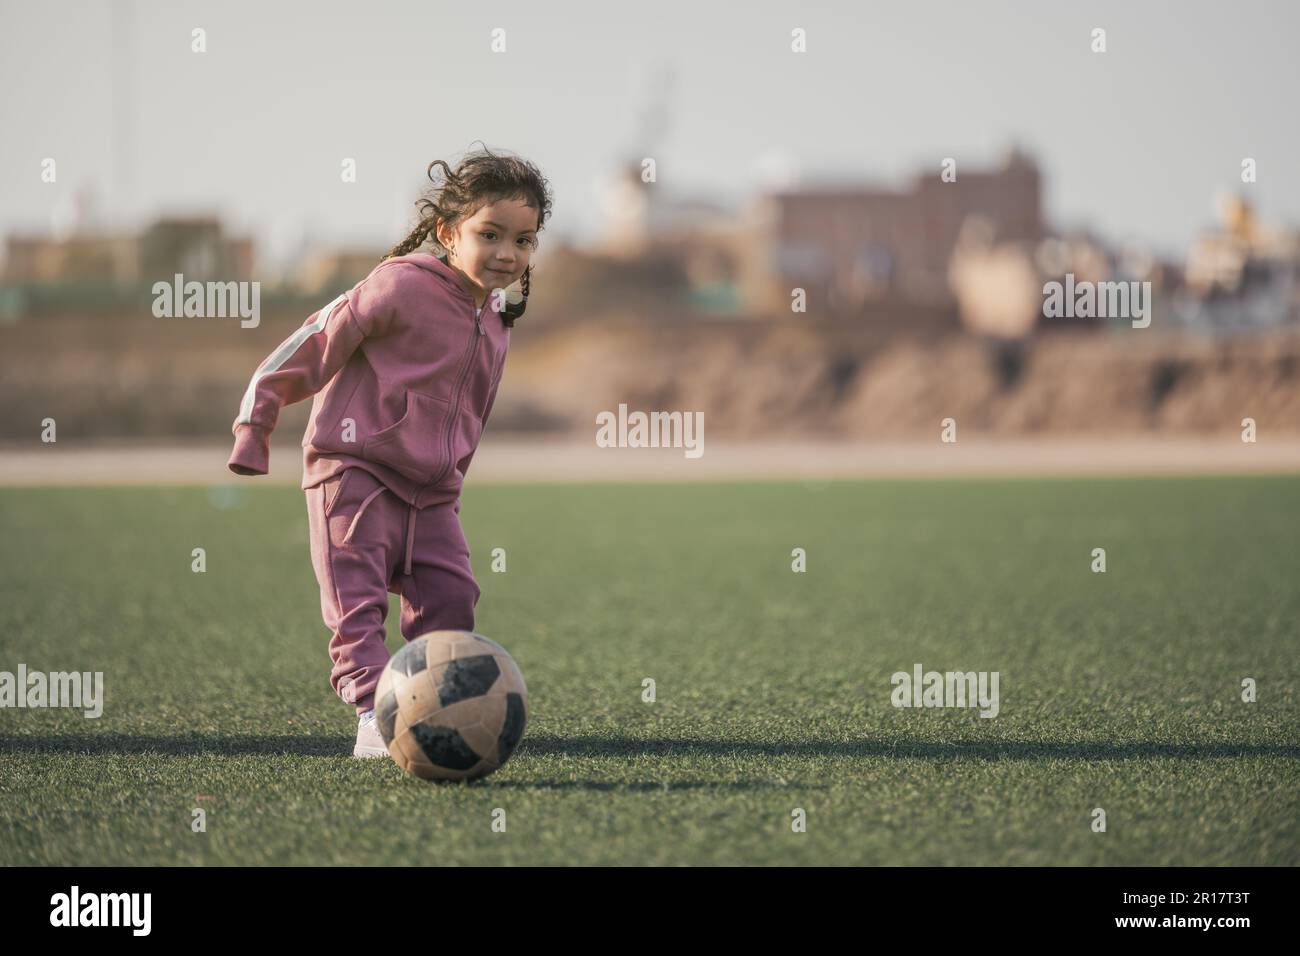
(404, 368)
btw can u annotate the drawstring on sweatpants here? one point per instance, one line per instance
(362, 510)
(410, 524)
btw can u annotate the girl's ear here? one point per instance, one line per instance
(437, 234)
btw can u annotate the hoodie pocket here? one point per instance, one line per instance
(416, 444)
(465, 435)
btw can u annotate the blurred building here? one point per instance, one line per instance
(42, 259)
(847, 247)
(328, 270)
(638, 215)
(196, 247)
(684, 246)
(1242, 275)
(999, 285)
(853, 251)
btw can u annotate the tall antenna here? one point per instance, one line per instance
(656, 96)
(122, 116)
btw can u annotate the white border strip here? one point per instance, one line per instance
(280, 356)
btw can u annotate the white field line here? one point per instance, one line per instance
(529, 460)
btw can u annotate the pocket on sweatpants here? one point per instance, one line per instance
(416, 444)
(332, 489)
(349, 510)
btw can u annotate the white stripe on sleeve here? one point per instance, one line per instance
(280, 356)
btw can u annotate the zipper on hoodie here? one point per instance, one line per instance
(455, 409)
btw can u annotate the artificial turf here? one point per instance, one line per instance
(1119, 690)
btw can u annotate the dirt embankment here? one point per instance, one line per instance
(788, 381)
(776, 379)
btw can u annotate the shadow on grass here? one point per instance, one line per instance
(538, 745)
(183, 745)
(920, 749)
(643, 786)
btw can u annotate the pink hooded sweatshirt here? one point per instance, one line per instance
(404, 369)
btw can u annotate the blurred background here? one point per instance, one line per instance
(210, 141)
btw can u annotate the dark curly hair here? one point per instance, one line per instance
(480, 179)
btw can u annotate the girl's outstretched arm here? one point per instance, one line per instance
(302, 365)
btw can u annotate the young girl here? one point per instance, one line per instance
(404, 368)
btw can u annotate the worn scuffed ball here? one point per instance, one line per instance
(451, 705)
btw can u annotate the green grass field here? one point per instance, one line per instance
(1119, 690)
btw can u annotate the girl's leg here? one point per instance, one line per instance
(356, 530)
(440, 592)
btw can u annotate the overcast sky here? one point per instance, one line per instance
(1135, 142)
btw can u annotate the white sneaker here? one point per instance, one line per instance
(369, 741)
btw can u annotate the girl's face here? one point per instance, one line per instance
(492, 248)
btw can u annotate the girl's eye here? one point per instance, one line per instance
(526, 239)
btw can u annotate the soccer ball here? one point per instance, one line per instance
(451, 705)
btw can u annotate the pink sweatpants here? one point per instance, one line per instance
(366, 542)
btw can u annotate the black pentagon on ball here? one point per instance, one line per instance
(444, 747)
(512, 728)
(386, 714)
(411, 659)
(468, 677)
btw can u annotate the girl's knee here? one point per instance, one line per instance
(460, 598)
(448, 607)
